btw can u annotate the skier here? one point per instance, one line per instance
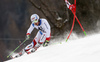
(42, 37)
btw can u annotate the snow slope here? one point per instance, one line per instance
(81, 50)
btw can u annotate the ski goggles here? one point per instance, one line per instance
(35, 21)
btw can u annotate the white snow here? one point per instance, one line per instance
(85, 49)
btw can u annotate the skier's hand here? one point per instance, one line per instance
(27, 36)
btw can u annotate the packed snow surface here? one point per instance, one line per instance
(85, 49)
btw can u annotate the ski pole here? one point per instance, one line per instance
(16, 49)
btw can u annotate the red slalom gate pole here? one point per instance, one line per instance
(79, 23)
(71, 28)
(74, 13)
(75, 2)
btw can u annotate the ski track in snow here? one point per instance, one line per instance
(85, 49)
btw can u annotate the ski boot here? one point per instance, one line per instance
(18, 54)
(45, 43)
(29, 51)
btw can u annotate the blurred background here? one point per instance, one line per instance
(15, 20)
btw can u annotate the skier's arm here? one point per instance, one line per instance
(30, 30)
(47, 26)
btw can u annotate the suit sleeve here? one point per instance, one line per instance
(30, 29)
(47, 26)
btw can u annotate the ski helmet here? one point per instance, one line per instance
(34, 18)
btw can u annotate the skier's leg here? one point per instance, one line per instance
(41, 37)
(30, 46)
(46, 41)
(34, 42)
(39, 43)
(48, 36)
(37, 39)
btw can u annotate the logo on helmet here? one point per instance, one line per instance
(33, 18)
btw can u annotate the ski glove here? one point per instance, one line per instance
(27, 36)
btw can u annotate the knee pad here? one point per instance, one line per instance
(34, 42)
